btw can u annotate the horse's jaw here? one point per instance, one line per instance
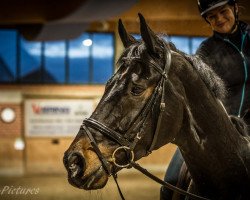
(95, 180)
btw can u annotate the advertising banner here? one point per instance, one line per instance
(50, 118)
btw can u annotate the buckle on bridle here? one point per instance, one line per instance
(127, 150)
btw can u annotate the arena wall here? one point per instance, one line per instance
(43, 154)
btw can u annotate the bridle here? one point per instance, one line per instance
(124, 141)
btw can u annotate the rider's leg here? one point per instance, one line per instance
(172, 174)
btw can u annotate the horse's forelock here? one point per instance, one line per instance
(132, 51)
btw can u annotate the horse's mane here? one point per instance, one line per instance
(214, 83)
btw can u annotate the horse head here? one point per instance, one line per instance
(158, 95)
(126, 122)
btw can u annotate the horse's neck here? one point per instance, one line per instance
(204, 117)
(208, 140)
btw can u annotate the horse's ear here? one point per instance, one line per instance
(126, 38)
(148, 35)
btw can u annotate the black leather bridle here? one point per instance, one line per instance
(138, 124)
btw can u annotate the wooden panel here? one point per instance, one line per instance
(160, 158)
(53, 91)
(14, 128)
(11, 160)
(45, 155)
(167, 16)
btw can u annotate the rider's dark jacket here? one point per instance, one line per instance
(229, 56)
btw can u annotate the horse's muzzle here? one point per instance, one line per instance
(75, 165)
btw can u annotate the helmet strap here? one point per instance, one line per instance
(236, 22)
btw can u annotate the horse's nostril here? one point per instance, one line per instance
(76, 165)
(73, 159)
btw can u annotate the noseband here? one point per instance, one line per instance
(125, 140)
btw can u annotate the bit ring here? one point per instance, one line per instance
(131, 155)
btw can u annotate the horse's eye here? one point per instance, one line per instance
(136, 90)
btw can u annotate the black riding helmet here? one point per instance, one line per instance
(207, 5)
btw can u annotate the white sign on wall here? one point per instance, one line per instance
(49, 118)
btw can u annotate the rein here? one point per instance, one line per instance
(124, 140)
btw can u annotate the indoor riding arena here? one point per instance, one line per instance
(55, 60)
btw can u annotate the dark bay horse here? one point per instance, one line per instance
(159, 95)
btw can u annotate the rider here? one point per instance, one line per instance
(227, 51)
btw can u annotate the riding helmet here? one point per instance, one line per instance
(207, 5)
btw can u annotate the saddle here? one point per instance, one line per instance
(184, 181)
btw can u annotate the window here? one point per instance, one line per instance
(8, 58)
(61, 62)
(186, 44)
(88, 59)
(181, 43)
(103, 54)
(95, 50)
(79, 61)
(196, 41)
(30, 61)
(54, 63)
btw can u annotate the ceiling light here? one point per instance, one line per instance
(87, 42)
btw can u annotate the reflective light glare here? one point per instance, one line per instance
(87, 42)
(8, 115)
(19, 144)
(99, 52)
